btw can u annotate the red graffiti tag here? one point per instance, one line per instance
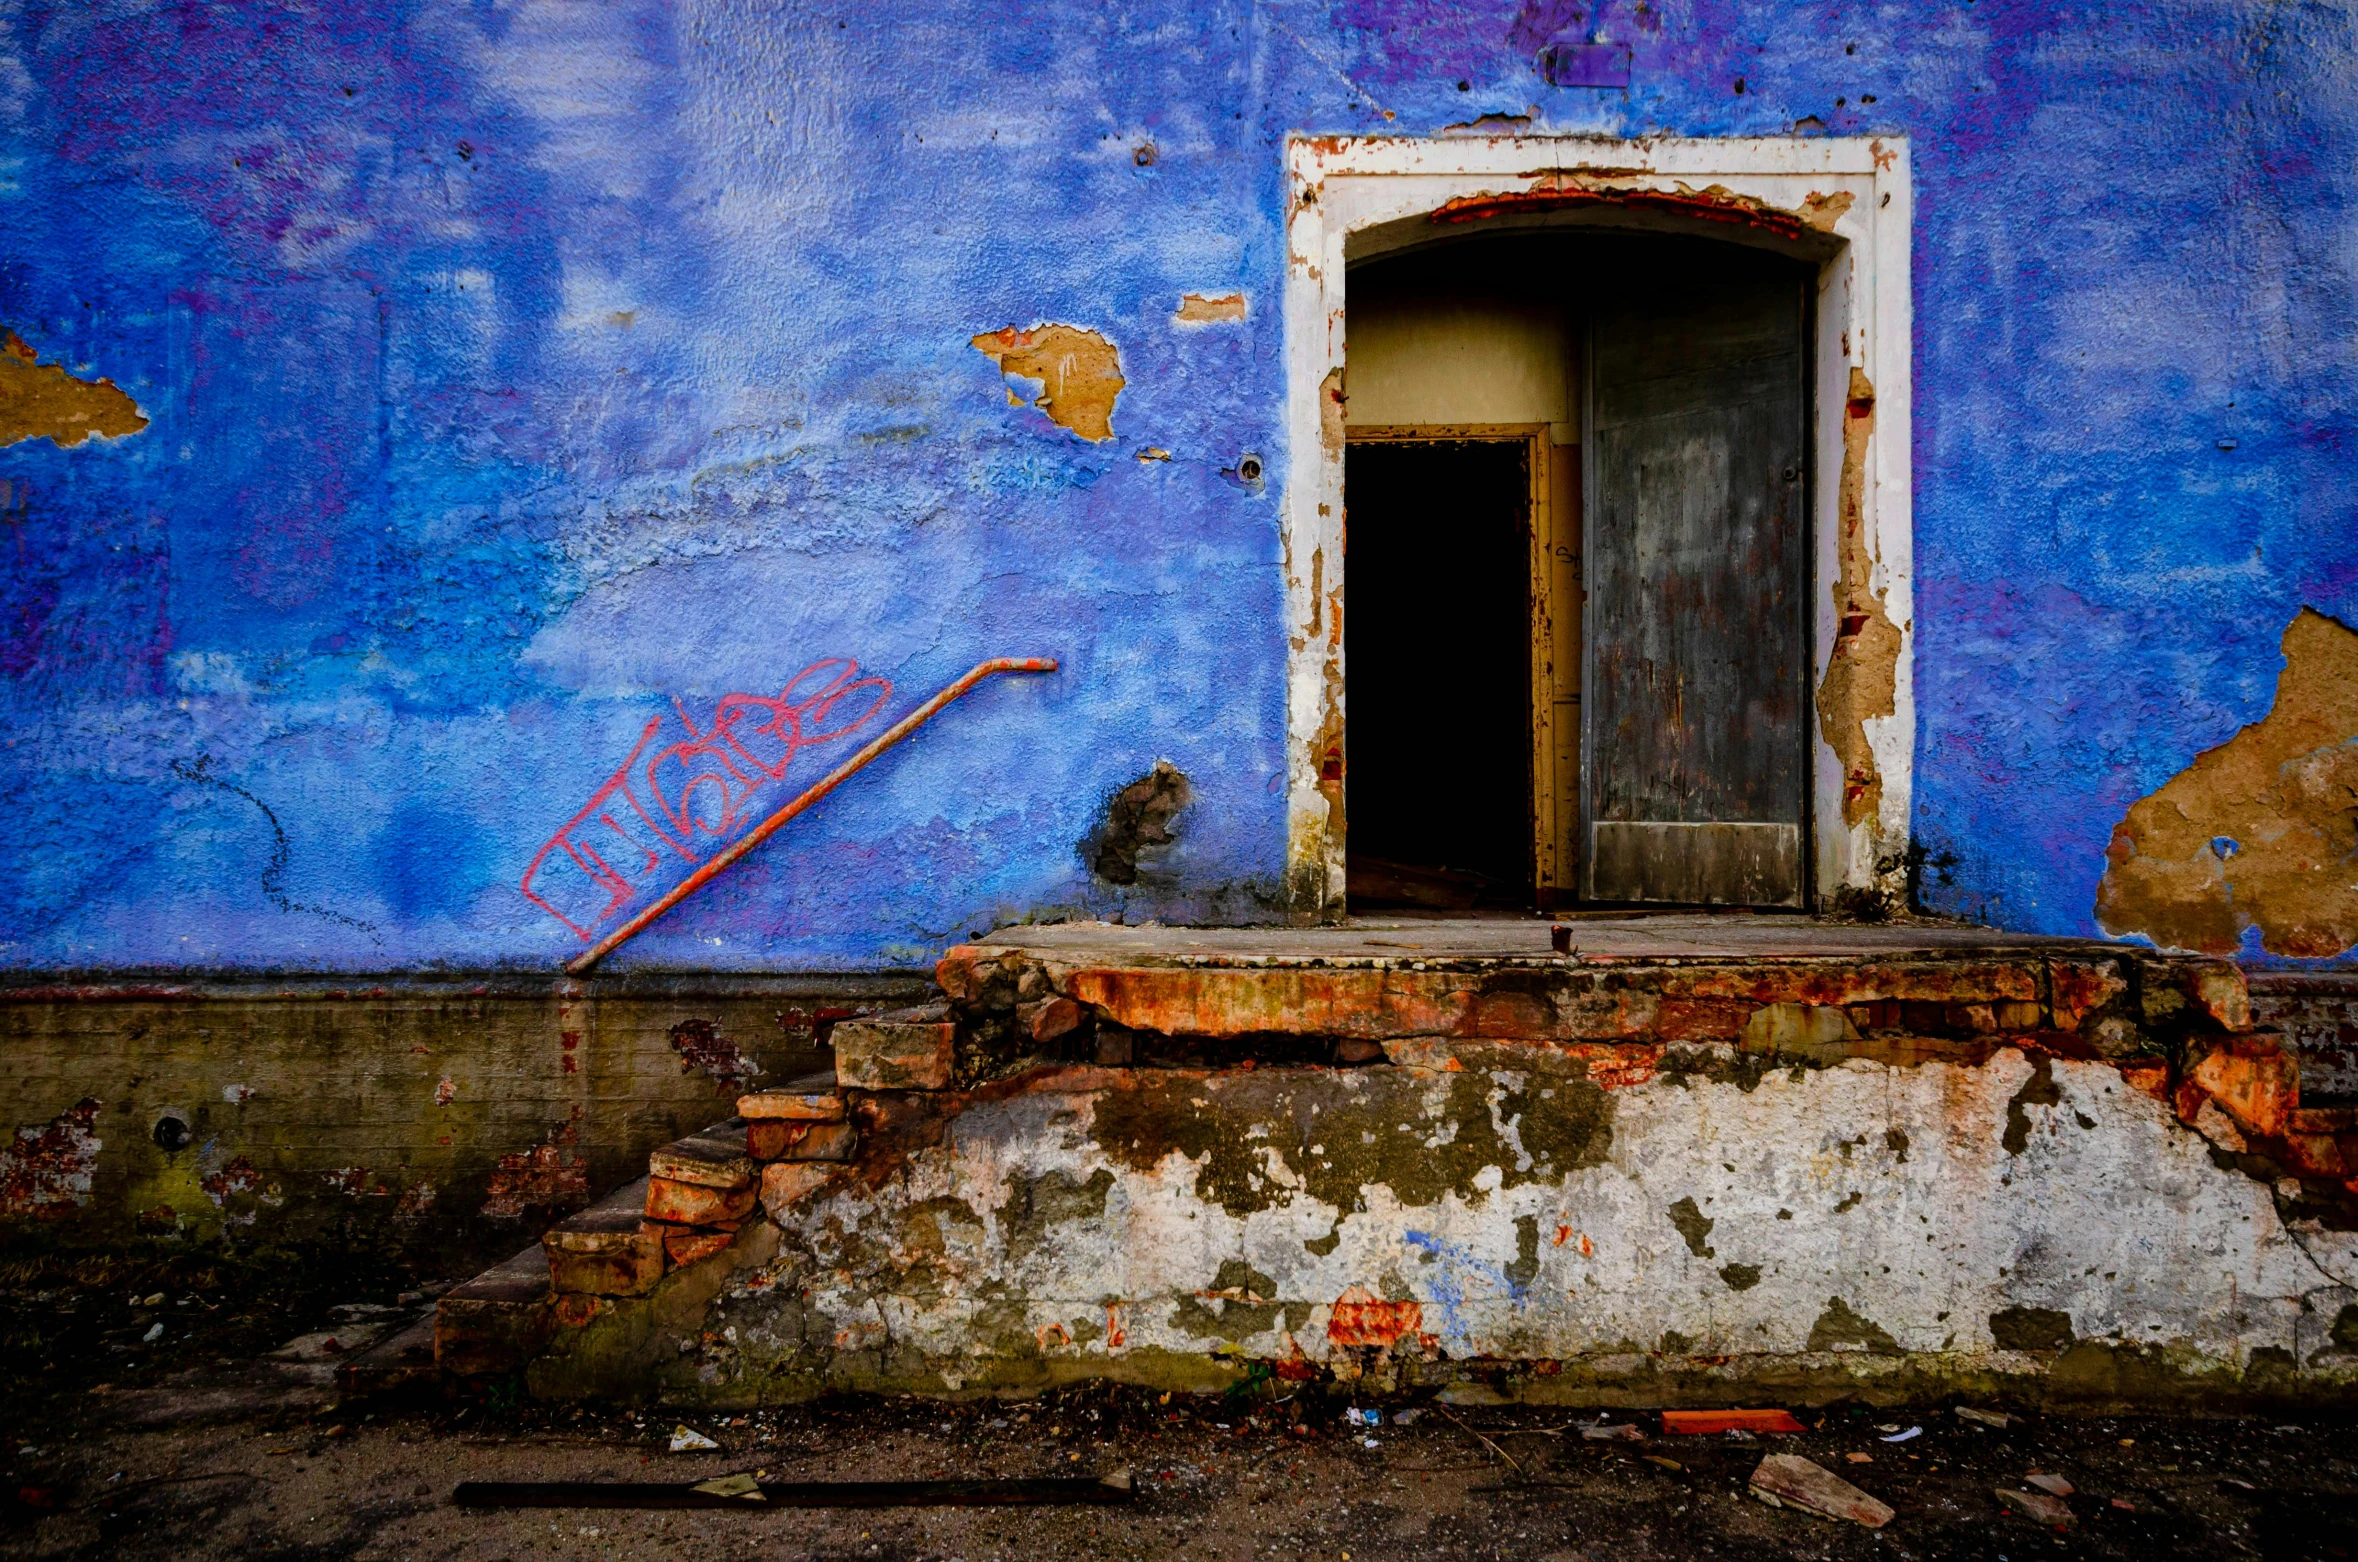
(693, 796)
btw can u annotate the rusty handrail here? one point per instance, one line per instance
(761, 832)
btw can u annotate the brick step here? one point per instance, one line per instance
(397, 1366)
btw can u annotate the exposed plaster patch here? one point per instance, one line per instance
(1210, 308)
(47, 1173)
(42, 401)
(2261, 831)
(1079, 371)
(1862, 673)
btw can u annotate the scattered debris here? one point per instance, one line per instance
(2124, 1504)
(1657, 1459)
(686, 1439)
(1901, 1437)
(2038, 1507)
(1996, 1419)
(739, 1485)
(1602, 1432)
(1109, 1489)
(1705, 1422)
(1790, 1481)
(1406, 1417)
(1859, 1458)
(2057, 1486)
(1354, 1416)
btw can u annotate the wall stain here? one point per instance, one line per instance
(2038, 1090)
(2260, 831)
(1138, 824)
(1862, 673)
(1838, 1328)
(1693, 1225)
(42, 401)
(1422, 1135)
(1079, 371)
(2031, 1328)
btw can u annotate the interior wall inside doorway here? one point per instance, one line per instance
(1470, 339)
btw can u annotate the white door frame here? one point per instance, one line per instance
(1845, 201)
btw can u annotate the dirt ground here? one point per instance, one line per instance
(245, 1453)
(1214, 1479)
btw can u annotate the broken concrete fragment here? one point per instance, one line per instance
(890, 1053)
(2052, 1485)
(603, 1252)
(1079, 372)
(2253, 1079)
(1998, 1420)
(1795, 1482)
(42, 401)
(694, 1204)
(2038, 1507)
(2257, 831)
(784, 1184)
(711, 1160)
(1050, 1018)
(791, 1106)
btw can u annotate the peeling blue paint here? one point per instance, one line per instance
(517, 369)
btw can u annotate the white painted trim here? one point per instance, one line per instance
(1342, 188)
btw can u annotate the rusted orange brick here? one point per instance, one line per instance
(785, 1184)
(1050, 1018)
(2254, 1081)
(2316, 1155)
(1710, 1423)
(824, 1142)
(2151, 1075)
(955, 972)
(767, 1139)
(693, 1204)
(2078, 989)
(602, 1252)
(791, 1106)
(2321, 1120)
(711, 1160)
(693, 1246)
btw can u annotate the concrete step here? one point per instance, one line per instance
(498, 1321)
(398, 1365)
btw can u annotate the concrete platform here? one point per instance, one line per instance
(1597, 936)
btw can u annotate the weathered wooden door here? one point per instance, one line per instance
(1694, 689)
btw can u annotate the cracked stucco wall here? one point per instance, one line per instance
(2036, 1224)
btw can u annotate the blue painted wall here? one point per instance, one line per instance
(518, 370)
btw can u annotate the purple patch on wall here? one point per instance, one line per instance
(1585, 65)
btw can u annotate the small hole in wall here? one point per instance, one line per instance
(171, 1133)
(1249, 469)
(1145, 156)
(1739, 86)
(1465, 86)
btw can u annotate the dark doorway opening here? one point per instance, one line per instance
(1437, 673)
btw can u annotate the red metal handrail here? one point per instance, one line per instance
(833, 779)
